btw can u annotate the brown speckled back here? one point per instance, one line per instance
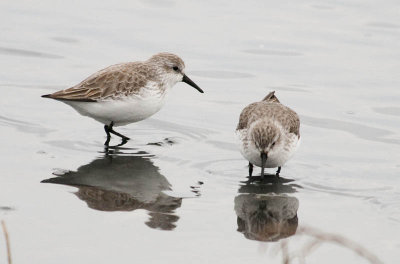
(120, 79)
(270, 108)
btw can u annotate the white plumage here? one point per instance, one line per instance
(123, 111)
(268, 133)
(127, 92)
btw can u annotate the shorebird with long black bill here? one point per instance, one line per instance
(127, 92)
(269, 134)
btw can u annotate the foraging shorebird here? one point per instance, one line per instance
(127, 92)
(269, 133)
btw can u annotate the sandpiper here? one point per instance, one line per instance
(127, 92)
(269, 133)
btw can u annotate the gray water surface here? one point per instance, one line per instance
(178, 191)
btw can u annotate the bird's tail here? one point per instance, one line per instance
(271, 97)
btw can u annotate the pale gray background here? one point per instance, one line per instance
(334, 62)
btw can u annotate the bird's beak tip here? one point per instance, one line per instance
(187, 80)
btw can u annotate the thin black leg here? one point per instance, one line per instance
(278, 171)
(111, 130)
(107, 129)
(118, 134)
(250, 169)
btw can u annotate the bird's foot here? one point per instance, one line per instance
(123, 142)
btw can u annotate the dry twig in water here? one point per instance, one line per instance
(3, 224)
(318, 238)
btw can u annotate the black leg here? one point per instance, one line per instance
(107, 129)
(278, 171)
(118, 134)
(111, 130)
(250, 169)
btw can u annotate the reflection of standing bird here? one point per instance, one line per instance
(125, 183)
(269, 133)
(127, 92)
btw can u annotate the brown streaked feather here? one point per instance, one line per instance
(271, 110)
(271, 97)
(245, 115)
(61, 99)
(111, 82)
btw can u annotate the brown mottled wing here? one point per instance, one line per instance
(111, 82)
(291, 121)
(245, 116)
(283, 114)
(246, 113)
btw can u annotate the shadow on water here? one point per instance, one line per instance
(124, 182)
(264, 210)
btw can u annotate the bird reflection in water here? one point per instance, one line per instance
(264, 210)
(125, 182)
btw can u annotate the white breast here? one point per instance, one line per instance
(282, 153)
(125, 110)
(277, 156)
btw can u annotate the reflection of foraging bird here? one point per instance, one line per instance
(264, 210)
(266, 217)
(269, 133)
(127, 92)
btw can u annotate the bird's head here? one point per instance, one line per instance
(266, 136)
(171, 69)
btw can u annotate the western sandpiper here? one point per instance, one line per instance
(127, 92)
(269, 133)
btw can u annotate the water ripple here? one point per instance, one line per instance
(222, 74)
(28, 53)
(393, 111)
(383, 25)
(23, 126)
(273, 52)
(359, 130)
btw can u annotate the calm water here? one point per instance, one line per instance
(176, 193)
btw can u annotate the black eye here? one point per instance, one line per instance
(273, 144)
(175, 68)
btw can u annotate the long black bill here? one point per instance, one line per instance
(263, 160)
(191, 83)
